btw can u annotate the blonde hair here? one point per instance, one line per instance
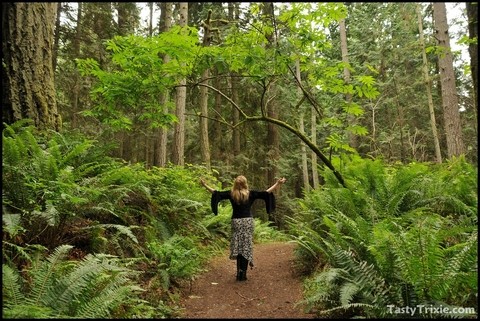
(240, 190)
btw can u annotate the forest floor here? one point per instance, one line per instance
(273, 288)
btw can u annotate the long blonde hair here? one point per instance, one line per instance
(240, 190)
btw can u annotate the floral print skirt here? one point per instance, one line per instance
(242, 238)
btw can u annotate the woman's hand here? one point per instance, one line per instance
(277, 184)
(210, 189)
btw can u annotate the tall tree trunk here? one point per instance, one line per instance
(160, 150)
(451, 114)
(57, 36)
(218, 137)
(150, 17)
(315, 179)
(472, 14)
(76, 76)
(180, 103)
(204, 142)
(352, 138)
(401, 120)
(232, 16)
(28, 88)
(273, 140)
(428, 86)
(306, 183)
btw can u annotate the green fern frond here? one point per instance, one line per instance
(28, 312)
(347, 292)
(322, 290)
(77, 151)
(44, 275)
(11, 286)
(122, 230)
(420, 254)
(104, 304)
(12, 223)
(460, 270)
(95, 286)
(35, 147)
(69, 286)
(347, 307)
(372, 287)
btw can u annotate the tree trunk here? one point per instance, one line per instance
(273, 140)
(306, 183)
(57, 36)
(451, 114)
(472, 14)
(315, 180)
(428, 86)
(160, 150)
(28, 87)
(218, 140)
(180, 103)
(204, 142)
(76, 77)
(234, 92)
(352, 138)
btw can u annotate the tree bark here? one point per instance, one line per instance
(28, 88)
(313, 132)
(204, 142)
(472, 15)
(428, 86)
(180, 103)
(352, 138)
(306, 182)
(273, 140)
(160, 150)
(234, 90)
(57, 36)
(451, 114)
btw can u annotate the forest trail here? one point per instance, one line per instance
(272, 289)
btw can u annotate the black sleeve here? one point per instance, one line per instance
(269, 199)
(217, 196)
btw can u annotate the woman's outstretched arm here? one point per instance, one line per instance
(202, 182)
(277, 184)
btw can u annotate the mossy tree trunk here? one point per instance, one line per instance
(27, 68)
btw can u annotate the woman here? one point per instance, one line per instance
(241, 198)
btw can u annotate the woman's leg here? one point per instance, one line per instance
(239, 267)
(241, 245)
(243, 268)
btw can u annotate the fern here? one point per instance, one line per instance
(11, 286)
(94, 287)
(44, 276)
(348, 292)
(122, 230)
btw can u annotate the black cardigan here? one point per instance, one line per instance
(243, 210)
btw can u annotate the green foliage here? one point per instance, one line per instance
(126, 95)
(179, 257)
(94, 287)
(402, 236)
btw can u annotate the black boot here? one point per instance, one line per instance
(239, 267)
(243, 268)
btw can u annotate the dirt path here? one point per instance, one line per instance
(271, 291)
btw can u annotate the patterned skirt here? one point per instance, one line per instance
(242, 238)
